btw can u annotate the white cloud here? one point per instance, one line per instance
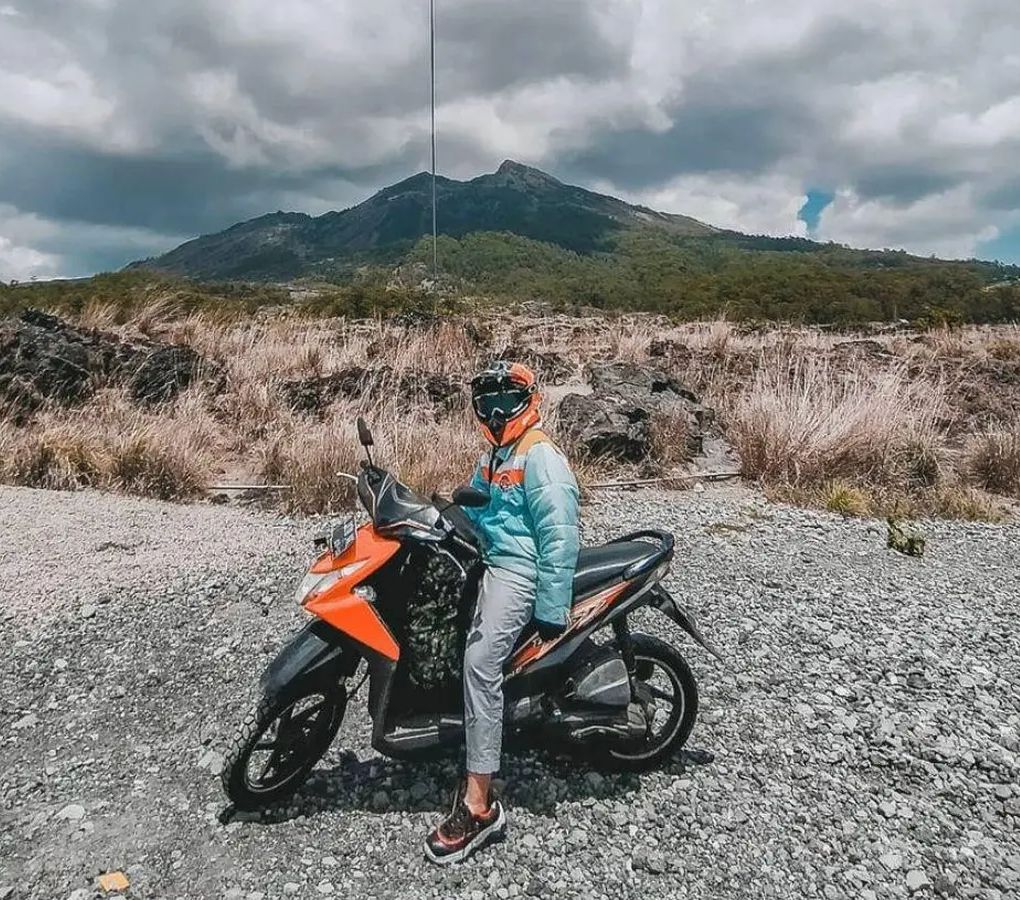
(23, 263)
(33, 246)
(765, 205)
(948, 225)
(727, 110)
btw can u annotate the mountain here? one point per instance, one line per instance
(519, 234)
(515, 198)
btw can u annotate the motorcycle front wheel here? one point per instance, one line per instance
(279, 743)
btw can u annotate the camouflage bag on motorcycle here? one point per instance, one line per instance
(436, 624)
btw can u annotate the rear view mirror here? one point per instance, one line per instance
(364, 433)
(470, 497)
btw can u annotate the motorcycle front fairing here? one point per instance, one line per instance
(339, 599)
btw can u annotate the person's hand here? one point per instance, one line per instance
(549, 631)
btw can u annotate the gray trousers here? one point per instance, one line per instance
(505, 605)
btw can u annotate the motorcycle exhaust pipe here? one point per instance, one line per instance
(581, 727)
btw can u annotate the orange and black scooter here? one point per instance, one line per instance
(627, 702)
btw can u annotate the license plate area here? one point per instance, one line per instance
(338, 537)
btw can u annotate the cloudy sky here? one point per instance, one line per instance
(127, 127)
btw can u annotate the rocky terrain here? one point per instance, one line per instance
(860, 741)
(44, 359)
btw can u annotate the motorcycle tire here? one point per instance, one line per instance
(306, 721)
(651, 654)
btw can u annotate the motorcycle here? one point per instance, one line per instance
(619, 699)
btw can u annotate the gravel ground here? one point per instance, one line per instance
(860, 741)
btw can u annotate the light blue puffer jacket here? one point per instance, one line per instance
(530, 523)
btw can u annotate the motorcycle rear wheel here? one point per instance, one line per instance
(674, 695)
(279, 743)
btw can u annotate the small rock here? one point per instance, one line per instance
(380, 800)
(655, 863)
(535, 888)
(27, 721)
(891, 860)
(211, 761)
(88, 611)
(887, 808)
(324, 887)
(290, 888)
(73, 812)
(839, 640)
(916, 879)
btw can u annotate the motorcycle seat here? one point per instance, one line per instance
(598, 566)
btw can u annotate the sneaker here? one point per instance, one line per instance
(461, 833)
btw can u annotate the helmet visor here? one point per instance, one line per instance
(491, 401)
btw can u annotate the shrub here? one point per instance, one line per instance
(992, 458)
(668, 439)
(847, 499)
(425, 453)
(308, 462)
(805, 423)
(110, 445)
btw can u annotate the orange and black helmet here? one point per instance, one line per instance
(505, 399)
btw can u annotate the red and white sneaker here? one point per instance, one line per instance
(461, 833)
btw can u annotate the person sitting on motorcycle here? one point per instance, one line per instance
(530, 534)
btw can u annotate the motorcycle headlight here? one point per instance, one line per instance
(314, 584)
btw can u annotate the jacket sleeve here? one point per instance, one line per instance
(477, 481)
(552, 499)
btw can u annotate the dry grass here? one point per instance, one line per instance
(847, 499)
(949, 500)
(992, 459)
(857, 432)
(668, 440)
(110, 445)
(430, 455)
(808, 423)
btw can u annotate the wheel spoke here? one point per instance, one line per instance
(272, 764)
(278, 746)
(662, 696)
(288, 742)
(313, 713)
